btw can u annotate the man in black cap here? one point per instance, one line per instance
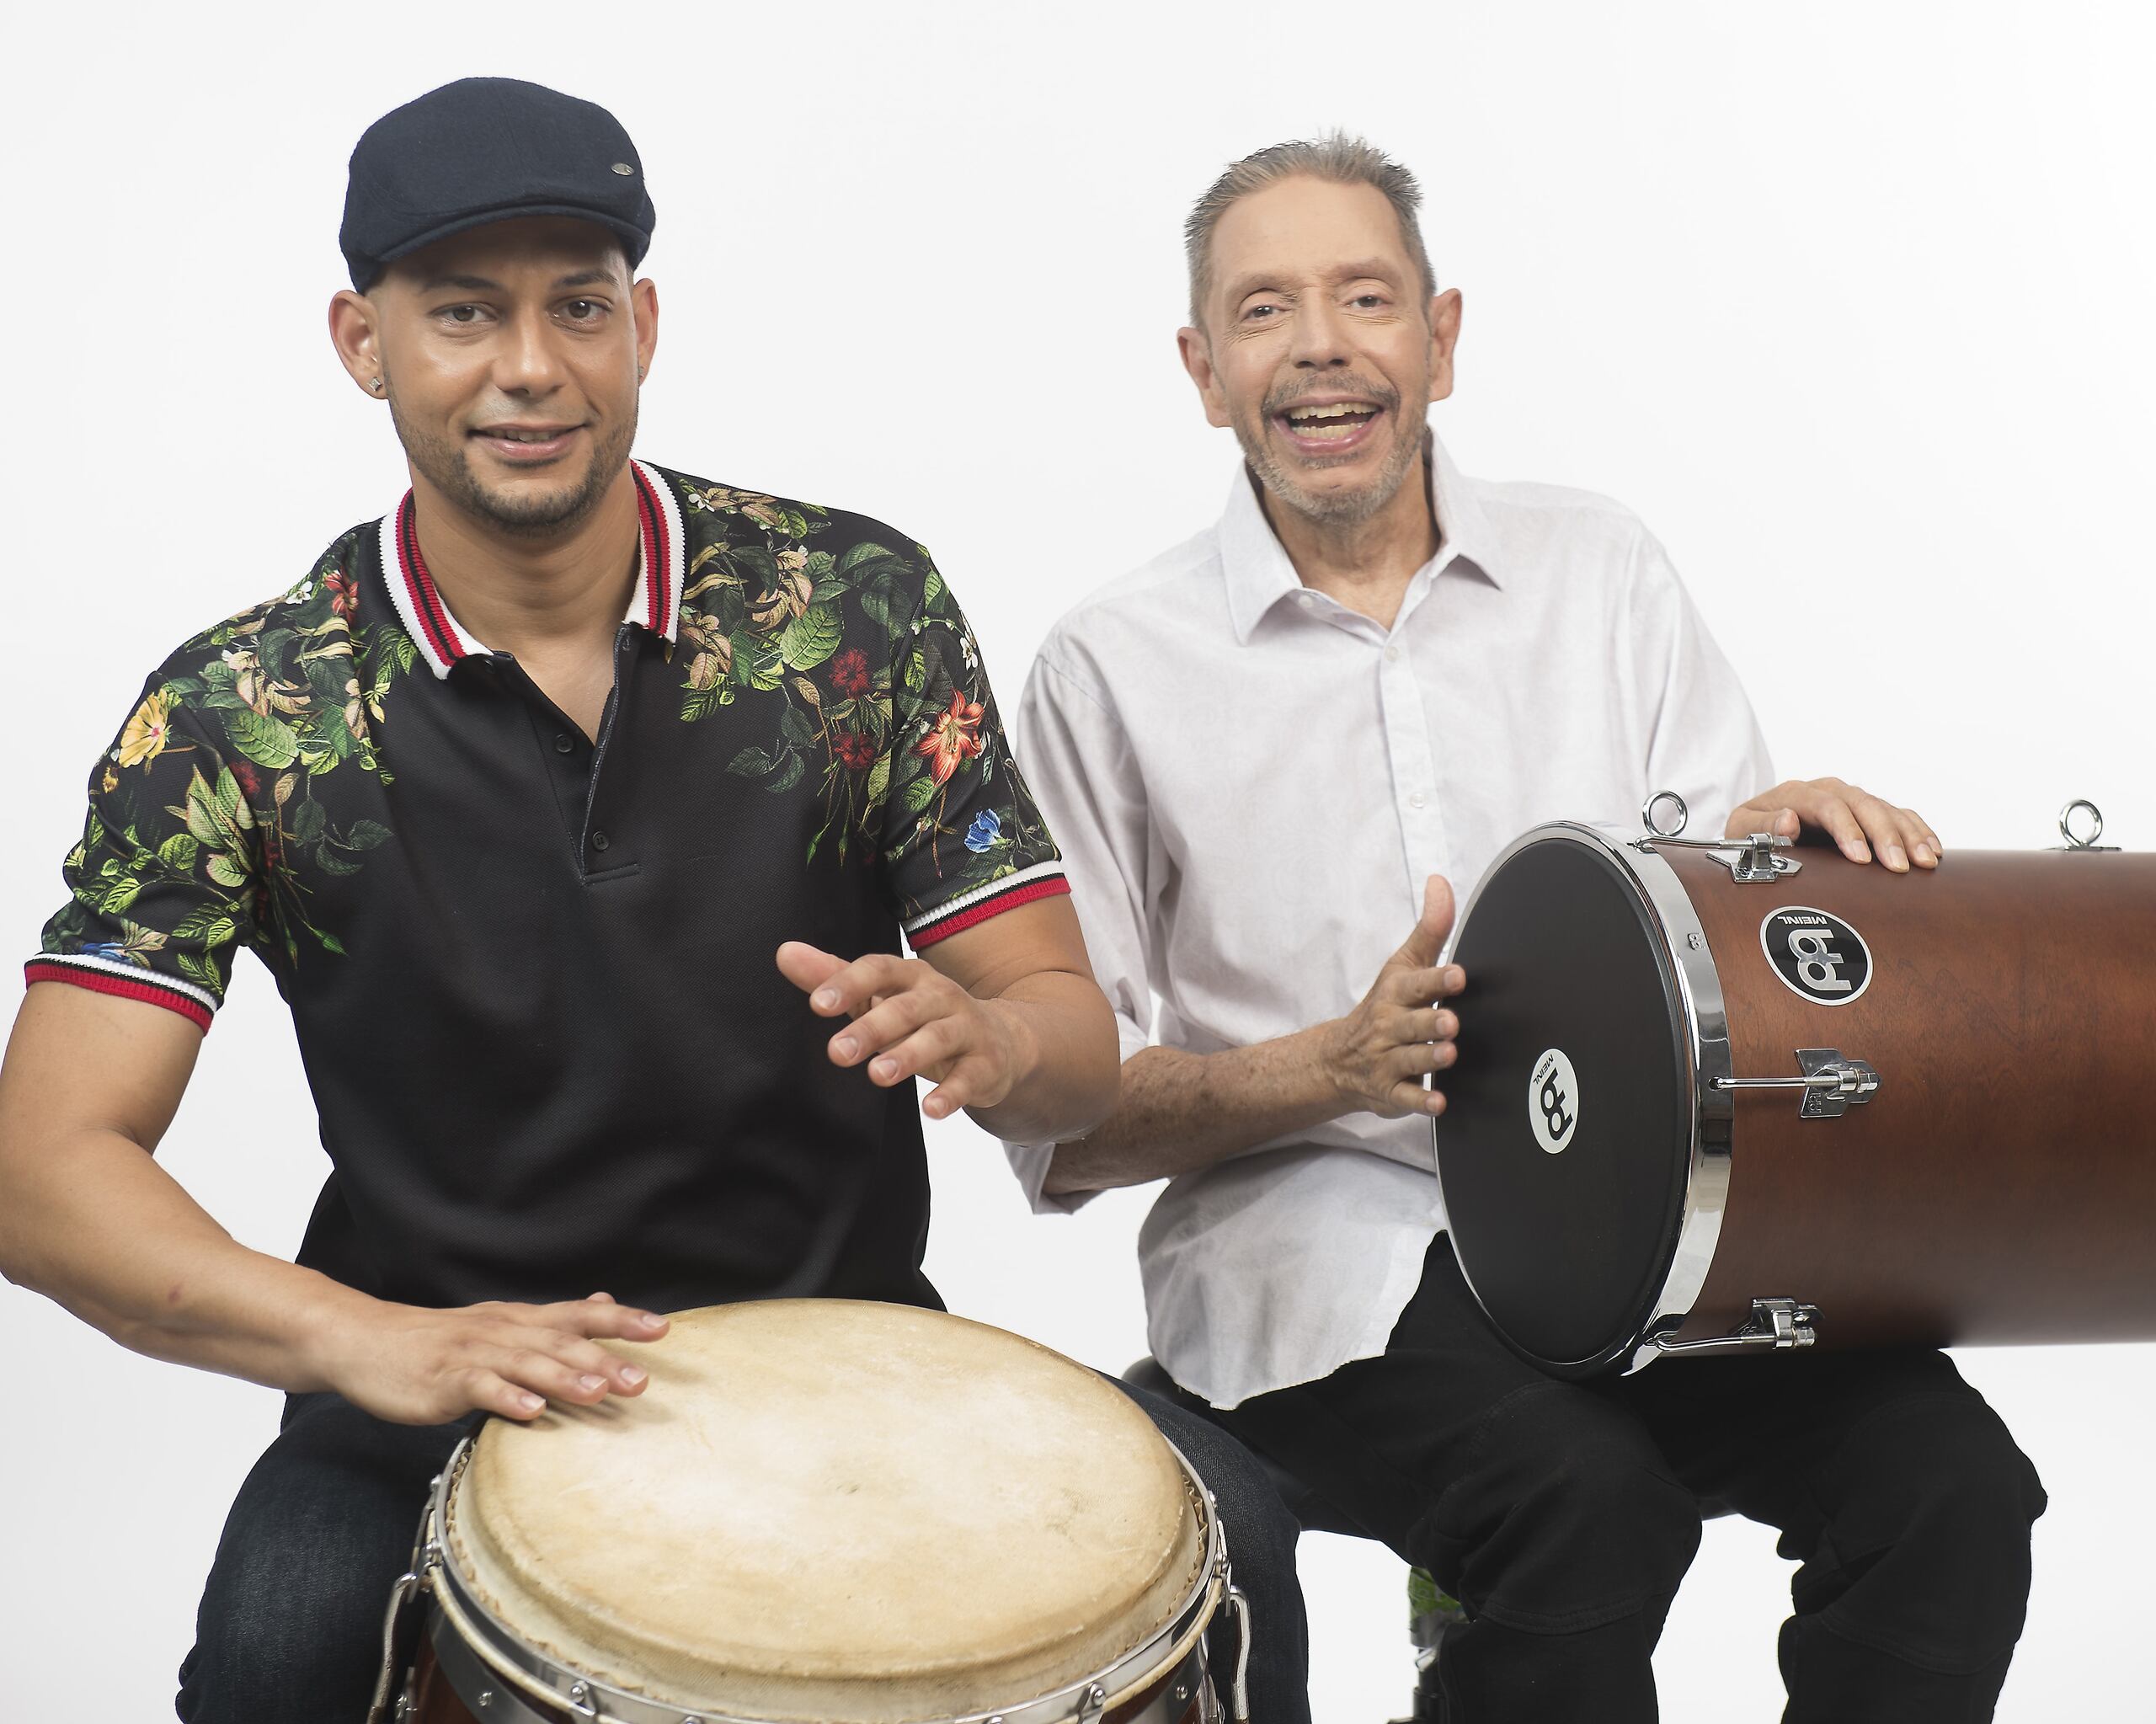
(514, 793)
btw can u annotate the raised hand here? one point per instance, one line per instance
(908, 1019)
(1377, 1056)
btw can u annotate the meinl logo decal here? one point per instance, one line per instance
(1819, 957)
(1553, 1101)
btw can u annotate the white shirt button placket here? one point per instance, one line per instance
(1414, 769)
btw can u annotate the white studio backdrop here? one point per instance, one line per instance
(1851, 304)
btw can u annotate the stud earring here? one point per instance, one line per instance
(376, 385)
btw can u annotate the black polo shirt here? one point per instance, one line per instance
(532, 977)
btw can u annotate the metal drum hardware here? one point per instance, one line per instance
(1830, 1083)
(2076, 841)
(1756, 858)
(1777, 1325)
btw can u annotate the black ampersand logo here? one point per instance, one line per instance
(1553, 1106)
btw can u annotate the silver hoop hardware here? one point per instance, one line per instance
(1749, 859)
(2074, 840)
(1239, 1690)
(402, 1598)
(1830, 1083)
(1777, 1326)
(1654, 802)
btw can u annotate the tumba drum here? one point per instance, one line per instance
(1718, 1097)
(820, 1510)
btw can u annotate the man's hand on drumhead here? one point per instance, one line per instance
(1861, 825)
(1379, 1055)
(415, 1366)
(908, 1020)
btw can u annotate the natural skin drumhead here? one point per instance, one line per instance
(826, 1509)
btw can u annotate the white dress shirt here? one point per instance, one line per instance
(1250, 782)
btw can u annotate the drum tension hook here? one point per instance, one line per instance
(1776, 1326)
(1830, 1083)
(1754, 858)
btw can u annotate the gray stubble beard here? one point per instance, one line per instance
(1336, 508)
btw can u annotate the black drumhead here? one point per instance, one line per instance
(1565, 1139)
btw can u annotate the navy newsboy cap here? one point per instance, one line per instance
(486, 149)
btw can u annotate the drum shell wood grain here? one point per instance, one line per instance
(2000, 1186)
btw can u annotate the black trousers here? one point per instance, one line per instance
(289, 1631)
(1563, 1515)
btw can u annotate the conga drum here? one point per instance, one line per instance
(1730, 1097)
(819, 1510)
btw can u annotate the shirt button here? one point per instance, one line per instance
(562, 745)
(1392, 656)
(600, 841)
(1415, 801)
(1306, 597)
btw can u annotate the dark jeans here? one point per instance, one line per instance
(1563, 1515)
(289, 1627)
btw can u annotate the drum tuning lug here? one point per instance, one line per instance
(1776, 1326)
(1239, 1684)
(1830, 1083)
(2075, 840)
(1758, 857)
(1091, 1703)
(397, 1623)
(1754, 858)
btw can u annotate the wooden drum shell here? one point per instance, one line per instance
(2000, 1185)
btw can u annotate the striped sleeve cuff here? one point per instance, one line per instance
(124, 981)
(970, 908)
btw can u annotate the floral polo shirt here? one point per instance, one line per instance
(532, 976)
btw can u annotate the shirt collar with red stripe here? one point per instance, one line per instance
(654, 602)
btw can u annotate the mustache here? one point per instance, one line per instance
(1294, 395)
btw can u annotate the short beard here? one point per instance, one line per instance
(447, 467)
(1333, 509)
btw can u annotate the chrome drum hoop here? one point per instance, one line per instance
(1688, 968)
(1174, 1655)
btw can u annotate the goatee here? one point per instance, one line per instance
(447, 467)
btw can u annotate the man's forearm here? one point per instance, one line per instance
(1180, 1111)
(1068, 1036)
(94, 1224)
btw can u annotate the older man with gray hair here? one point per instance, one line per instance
(1427, 664)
